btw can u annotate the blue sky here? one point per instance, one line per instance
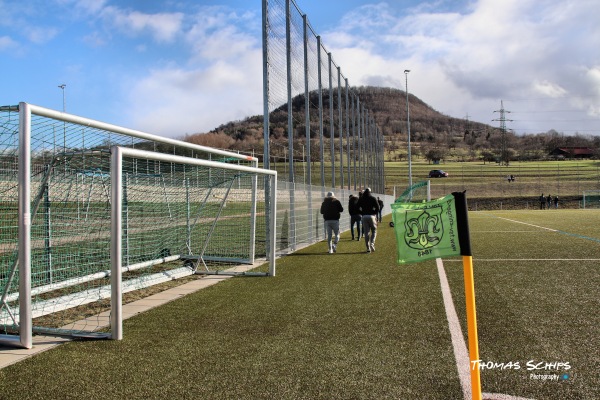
(177, 67)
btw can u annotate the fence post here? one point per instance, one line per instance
(331, 122)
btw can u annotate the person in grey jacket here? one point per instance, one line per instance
(331, 208)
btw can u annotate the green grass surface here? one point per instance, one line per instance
(537, 299)
(355, 325)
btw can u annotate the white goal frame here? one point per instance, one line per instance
(587, 193)
(21, 266)
(117, 155)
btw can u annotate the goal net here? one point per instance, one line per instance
(55, 188)
(591, 199)
(417, 193)
(201, 212)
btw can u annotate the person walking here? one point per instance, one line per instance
(379, 214)
(555, 201)
(355, 217)
(331, 208)
(549, 201)
(369, 208)
(542, 201)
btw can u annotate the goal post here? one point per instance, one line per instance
(591, 199)
(55, 220)
(215, 193)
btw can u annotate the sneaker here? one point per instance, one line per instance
(373, 247)
(330, 251)
(368, 250)
(334, 248)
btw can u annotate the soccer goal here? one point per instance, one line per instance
(591, 199)
(417, 193)
(55, 219)
(205, 211)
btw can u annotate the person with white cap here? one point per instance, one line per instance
(331, 208)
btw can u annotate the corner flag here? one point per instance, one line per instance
(436, 229)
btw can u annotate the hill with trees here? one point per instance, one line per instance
(434, 136)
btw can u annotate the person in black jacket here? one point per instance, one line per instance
(369, 208)
(379, 214)
(331, 208)
(355, 217)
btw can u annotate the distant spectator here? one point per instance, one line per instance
(555, 201)
(542, 201)
(379, 214)
(549, 201)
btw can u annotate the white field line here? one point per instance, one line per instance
(458, 342)
(525, 223)
(461, 353)
(496, 231)
(528, 259)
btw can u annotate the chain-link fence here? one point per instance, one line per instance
(308, 99)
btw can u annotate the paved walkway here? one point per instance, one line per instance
(10, 355)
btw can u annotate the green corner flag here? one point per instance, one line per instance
(433, 229)
(437, 229)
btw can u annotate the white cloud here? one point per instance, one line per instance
(95, 39)
(40, 35)
(164, 27)
(7, 43)
(467, 62)
(216, 34)
(90, 7)
(549, 89)
(175, 101)
(220, 80)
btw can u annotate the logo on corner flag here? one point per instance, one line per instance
(424, 228)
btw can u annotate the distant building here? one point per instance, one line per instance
(572, 152)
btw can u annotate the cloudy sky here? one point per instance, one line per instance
(176, 67)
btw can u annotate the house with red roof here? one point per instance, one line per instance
(572, 152)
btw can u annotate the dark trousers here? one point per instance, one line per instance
(356, 219)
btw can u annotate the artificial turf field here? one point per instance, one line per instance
(354, 325)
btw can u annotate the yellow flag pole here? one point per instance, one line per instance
(472, 327)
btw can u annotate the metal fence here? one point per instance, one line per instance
(308, 98)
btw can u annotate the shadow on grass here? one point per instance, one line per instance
(325, 253)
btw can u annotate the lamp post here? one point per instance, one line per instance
(406, 71)
(63, 86)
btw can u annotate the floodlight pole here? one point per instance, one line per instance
(406, 71)
(63, 86)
